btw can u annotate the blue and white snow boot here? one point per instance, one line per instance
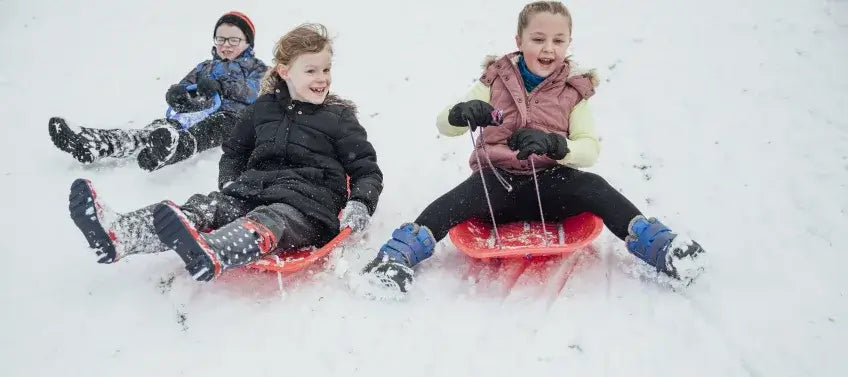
(410, 244)
(675, 255)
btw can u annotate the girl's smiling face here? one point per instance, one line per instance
(308, 76)
(544, 42)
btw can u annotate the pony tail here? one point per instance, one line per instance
(270, 81)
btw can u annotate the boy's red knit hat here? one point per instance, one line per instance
(241, 21)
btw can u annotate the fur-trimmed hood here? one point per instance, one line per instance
(574, 69)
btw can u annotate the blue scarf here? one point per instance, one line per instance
(531, 80)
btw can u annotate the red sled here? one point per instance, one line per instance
(476, 238)
(524, 257)
(288, 261)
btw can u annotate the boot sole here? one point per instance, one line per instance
(86, 212)
(175, 231)
(68, 141)
(58, 130)
(153, 157)
(688, 268)
(389, 275)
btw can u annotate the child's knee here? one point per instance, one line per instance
(587, 182)
(275, 212)
(200, 200)
(163, 122)
(201, 209)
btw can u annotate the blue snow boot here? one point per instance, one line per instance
(675, 255)
(410, 244)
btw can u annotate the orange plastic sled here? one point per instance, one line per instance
(476, 238)
(292, 261)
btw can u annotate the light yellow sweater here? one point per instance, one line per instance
(582, 142)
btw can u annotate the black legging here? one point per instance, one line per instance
(564, 192)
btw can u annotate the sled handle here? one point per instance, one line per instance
(216, 102)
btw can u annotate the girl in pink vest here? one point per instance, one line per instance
(531, 105)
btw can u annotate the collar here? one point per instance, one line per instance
(281, 93)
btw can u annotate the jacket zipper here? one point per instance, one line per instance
(286, 131)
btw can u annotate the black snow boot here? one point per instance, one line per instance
(92, 144)
(161, 148)
(112, 235)
(63, 137)
(207, 255)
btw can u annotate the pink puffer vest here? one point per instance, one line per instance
(548, 108)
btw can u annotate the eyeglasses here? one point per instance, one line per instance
(232, 41)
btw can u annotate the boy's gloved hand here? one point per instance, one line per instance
(529, 141)
(208, 87)
(478, 113)
(355, 215)
(177, 96)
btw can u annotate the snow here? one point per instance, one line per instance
(727, 120)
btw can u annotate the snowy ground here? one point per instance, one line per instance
(727, 120)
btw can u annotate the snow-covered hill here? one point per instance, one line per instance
(727, 119)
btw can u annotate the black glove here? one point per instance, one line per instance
(529, 141)
(208, 87)
(478, 113)
(177, 96)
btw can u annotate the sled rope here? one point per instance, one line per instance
(498, 175)
(539, 200)
(279, 278)
(483, 179)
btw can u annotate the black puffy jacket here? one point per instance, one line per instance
(298, 153)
